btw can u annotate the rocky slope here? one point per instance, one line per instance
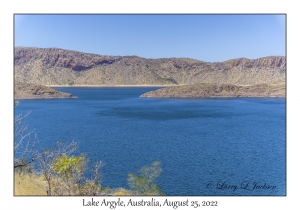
(214, 90)
(24, 90)
(52, 66)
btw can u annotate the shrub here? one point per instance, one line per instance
(144, 184)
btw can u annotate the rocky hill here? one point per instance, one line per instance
(53, 66)
(24, 90)
(215, 90)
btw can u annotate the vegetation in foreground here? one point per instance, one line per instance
(55, 171)
(66, 181)
(28, 184)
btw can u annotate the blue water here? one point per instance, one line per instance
(233, 146)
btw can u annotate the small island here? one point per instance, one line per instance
(24, 90)
(205, 90)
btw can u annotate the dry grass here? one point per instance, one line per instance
(32, 185)
(29, 185)
(122, 192)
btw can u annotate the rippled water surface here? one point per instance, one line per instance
(206, 146)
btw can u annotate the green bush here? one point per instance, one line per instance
(144, 184)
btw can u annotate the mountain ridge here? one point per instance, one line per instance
(55, 66)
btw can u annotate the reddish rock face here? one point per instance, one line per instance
(80, 61)
(53, 66)
(61, 58)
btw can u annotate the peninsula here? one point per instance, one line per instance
(219, 90)
(24, 90)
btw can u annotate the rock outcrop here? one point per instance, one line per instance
(55, 57)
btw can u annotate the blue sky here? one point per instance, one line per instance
(209, 38)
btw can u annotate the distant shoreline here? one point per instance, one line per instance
(111, 85)
(203, 90)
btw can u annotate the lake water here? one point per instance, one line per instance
(232, 146)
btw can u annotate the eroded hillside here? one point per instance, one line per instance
(53, 66)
